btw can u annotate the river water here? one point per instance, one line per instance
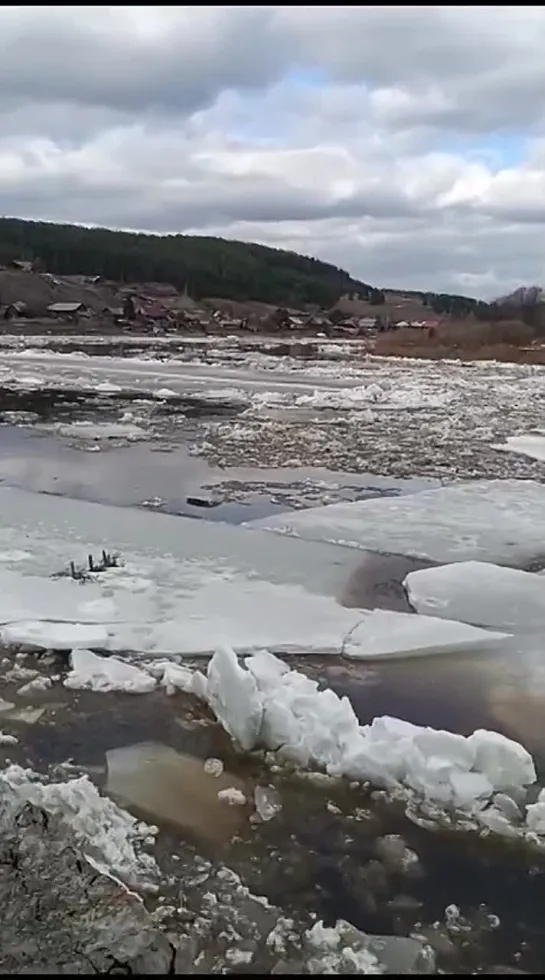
(313, 854)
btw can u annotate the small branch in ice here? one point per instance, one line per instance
(81, 574)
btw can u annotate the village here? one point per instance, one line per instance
(33, 300)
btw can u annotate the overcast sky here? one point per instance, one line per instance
(406, 144)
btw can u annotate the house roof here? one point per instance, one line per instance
(64, 307)
(23, 264)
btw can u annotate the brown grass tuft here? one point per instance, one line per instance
(506, 340)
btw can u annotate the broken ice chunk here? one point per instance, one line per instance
(95, 673)
(267, 802)
(233, 696)
(213, 767)
(506, 763)
(232, 796)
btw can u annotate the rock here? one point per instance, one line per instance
(203, 501)
(61, 915)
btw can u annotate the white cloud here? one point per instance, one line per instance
(404, 143)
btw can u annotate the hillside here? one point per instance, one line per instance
(207, 266)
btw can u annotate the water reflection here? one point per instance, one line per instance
(131, 474)
(500, 689)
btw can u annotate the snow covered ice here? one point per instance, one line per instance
(187, 587)
(492, 520)
(480, 593)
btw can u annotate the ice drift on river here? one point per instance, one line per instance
(481, 593)
(266, 704)
(493, 520)
(187, 586)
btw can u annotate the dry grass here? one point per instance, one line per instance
(508, 340)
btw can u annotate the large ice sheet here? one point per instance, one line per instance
(491, 520)
(246, 613)
(40, 533)
(480, 593)
(188, 587)
(283, 710)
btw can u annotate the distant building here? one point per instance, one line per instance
(23, 265)
(66, 311)
(18, 309)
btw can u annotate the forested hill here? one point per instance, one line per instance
(208, 266)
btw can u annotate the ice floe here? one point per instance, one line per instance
(95, 431)
(532, 445)
(265, 704)
(95, 673)
(382, 634)
(492, 520)
(480, 593)
(44, 635)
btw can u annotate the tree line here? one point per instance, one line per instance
(216, 267)
(205, 266)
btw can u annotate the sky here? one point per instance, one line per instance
(405, 144)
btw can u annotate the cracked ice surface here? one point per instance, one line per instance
(187, 587)
(491, 520)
